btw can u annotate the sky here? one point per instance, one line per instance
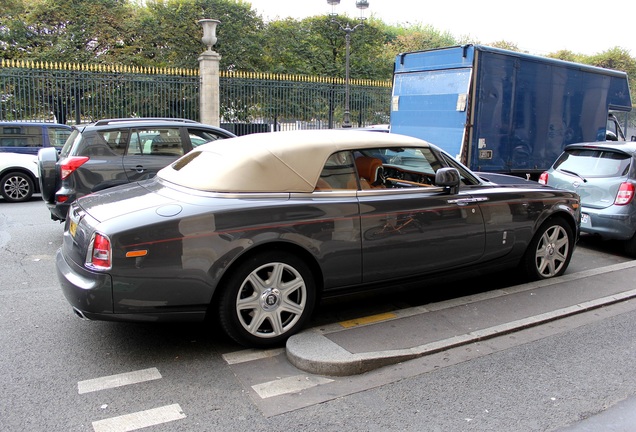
(537, 26)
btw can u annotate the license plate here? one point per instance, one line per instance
(585, 218)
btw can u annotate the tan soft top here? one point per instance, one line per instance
(273, 161)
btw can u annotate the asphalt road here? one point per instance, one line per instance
(58, 373)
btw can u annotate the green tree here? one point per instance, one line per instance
(13, 32)
(167, 34)
(317, 46)
(64, 30)
(568, 55)
(505, 45)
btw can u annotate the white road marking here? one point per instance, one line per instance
(291, 384)
(118, 380)
(141, 419)
(249, 355)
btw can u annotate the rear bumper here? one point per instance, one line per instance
(609, 223)
(89, 293)
(58, 211)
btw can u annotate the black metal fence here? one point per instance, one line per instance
(249, 102)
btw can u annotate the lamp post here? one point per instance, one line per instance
(362, 5)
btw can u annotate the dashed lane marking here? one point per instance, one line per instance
(141, 419)
(287, 385)
(118, 380)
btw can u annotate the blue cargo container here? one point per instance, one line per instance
(502, 111)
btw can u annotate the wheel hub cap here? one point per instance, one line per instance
(270, 299)
(549, 250)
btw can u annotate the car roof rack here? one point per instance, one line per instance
(141, 119)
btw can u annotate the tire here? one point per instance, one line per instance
(266, 299)
(629, 246)
(550, 251)
(17, 187)
(47, 158)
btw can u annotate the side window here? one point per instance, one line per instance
(21, 136)
(141, 141)
(58, 136)
(402, 167)
(106, 143)
(338, 172)
(136, 144)
(466, 177)
(198, 137)
(162, 142)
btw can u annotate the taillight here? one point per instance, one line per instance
(99, 254)
(543, 178)
(70, 164)
(625, 194)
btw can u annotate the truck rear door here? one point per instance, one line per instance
(430, 96)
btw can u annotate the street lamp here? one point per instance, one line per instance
(362, 5)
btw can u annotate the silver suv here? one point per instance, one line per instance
(113, 152)
(604, 176)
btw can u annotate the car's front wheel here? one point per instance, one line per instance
(550, 251)
(16, 187)
(267, 298)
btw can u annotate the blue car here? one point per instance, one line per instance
(30, 137)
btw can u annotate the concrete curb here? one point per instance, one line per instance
(311, 351)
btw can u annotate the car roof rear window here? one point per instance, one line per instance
(594, 162)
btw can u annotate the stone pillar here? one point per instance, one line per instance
(209, 93)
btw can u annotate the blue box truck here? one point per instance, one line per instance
(502, 111)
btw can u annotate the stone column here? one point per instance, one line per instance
(209, 93)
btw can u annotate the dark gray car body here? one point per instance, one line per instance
(349, 239)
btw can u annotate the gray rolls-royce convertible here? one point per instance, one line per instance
(253, 231)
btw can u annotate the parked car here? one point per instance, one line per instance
(30, 137)
(604, 176)
(18, 176)
(111, 152)
(255, 233)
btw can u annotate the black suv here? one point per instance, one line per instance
(112, 152)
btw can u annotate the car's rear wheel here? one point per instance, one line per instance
(267, 298)
(47, 158)
(550, 251)
(16, 187)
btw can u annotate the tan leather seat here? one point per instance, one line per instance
(369, 171)
(322, 185)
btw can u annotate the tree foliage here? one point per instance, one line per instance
(64, 30)
(166, 33)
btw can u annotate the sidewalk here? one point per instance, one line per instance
(358, 346)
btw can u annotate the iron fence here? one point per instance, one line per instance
(73, 94)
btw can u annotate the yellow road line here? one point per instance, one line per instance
(368, 320)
